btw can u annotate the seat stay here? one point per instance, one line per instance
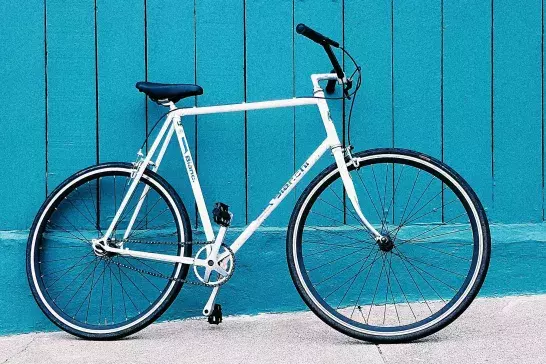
(147, 188)
(140, 168)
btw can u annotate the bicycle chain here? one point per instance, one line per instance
(160, 275)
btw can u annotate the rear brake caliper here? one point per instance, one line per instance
(137, 163)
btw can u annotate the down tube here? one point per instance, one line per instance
(285, 190)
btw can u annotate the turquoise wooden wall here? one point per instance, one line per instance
(460, 80)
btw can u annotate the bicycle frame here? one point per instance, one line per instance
(173, 123)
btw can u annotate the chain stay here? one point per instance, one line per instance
(178, 243)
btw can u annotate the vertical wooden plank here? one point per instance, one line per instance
(121, 111)
(270, 133)
(120, 45)
(417, 58)
(467, 94)
(417, 90)
(71, 88)
(368, 37)
(221, 137)
(171, 59)
(22, 115)
(310, 58)
(517, 101)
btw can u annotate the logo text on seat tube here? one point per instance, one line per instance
(189, 165)
(187, 159)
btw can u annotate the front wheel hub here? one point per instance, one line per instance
(385, 243)
(100, 251)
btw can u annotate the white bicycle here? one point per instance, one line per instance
(384, 245)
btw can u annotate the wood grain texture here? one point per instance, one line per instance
(517, 119)
(71, 71)
(417, 98)
(467, 94)
(22, 112)
(121, 63)
(368, 37)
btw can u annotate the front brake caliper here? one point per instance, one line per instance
(348, 153)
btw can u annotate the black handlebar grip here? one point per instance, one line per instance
(331, 87)
(315, 36)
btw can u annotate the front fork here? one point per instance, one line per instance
(339, 156)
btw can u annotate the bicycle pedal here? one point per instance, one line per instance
(215, 316)
(221, 214)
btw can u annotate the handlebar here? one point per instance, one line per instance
(326, 43)
(315, 36)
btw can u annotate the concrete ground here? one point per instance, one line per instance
(493, 330)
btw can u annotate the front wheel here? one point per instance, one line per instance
(421, 278)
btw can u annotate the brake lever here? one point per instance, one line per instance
(346, 87)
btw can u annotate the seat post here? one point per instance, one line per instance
(171, 105)
(167, 103)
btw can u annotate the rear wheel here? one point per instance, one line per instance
(421, 278)
(105, 296)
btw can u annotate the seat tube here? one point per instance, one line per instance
(194, 180)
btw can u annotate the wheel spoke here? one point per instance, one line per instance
(377, 256)
(353, 279)
(333, 260)
(368, 194)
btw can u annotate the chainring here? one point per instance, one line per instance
(228, 264)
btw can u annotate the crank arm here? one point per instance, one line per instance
(215, 268)
(208, 306)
